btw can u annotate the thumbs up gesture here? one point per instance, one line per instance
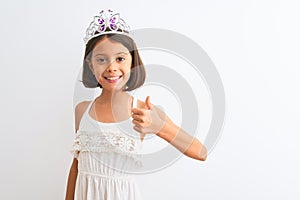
(149, 119)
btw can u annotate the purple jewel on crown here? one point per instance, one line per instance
(107, 22)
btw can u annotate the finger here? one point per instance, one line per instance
(148, 104)
(137, 111)
(136, 122)
(138, 129)
(140, 111)
(138, 118)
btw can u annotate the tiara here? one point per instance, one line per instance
(107, 22)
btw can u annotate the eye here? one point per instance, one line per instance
(120, 59)
(101, 60)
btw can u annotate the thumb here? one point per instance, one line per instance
(148, 104)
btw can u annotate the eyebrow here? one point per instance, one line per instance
(99, 54)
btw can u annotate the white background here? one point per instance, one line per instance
(254, 45)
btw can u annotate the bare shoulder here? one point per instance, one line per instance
(79, 111)
(81, 107)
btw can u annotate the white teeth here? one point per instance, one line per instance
(113, 78)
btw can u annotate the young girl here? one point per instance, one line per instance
(103, 154)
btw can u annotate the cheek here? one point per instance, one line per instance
(128, 66)
(127, 70)
(98, 69)
(98, 74)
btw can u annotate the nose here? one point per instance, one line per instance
(112, 67)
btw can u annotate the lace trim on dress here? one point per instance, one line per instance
(109, 141)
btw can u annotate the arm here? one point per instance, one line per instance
(72, 180)
(152, 120)
(79, 110)
(184, 142)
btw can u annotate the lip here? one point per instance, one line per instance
(112, 79)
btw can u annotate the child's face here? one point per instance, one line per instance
(111, 64)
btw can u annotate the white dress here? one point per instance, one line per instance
(107, 157)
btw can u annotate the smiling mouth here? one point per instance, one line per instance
(112, 78)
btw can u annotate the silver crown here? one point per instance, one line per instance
(107, 22)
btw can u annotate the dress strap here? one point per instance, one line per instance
(85, 115)
(134, 102)
(89, 106)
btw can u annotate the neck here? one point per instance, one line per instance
(113, 96)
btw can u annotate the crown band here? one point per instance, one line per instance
(106, 23)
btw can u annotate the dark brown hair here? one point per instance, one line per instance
(137, 76)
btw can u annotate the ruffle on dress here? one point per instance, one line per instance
(108, 141)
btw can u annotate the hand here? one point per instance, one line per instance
(149, 119)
